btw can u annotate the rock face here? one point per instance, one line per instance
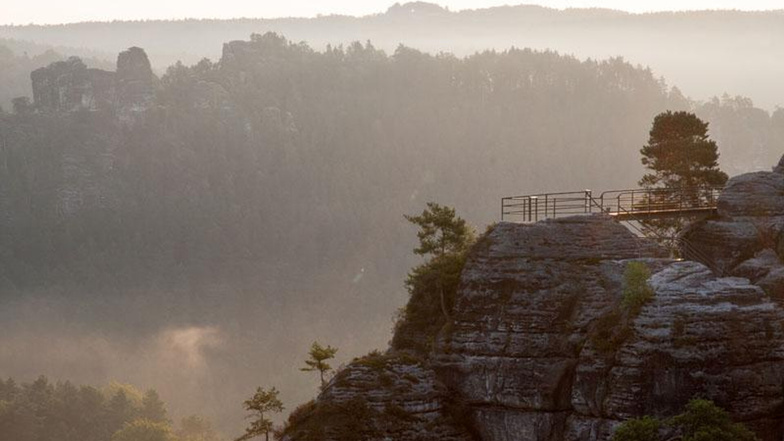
(135, 81)
(541, 347)
(748, 234)
(68, 86)
(399, 396)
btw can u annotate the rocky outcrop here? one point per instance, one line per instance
(381, 396)
(135, 81)
(68, 86)
(746, 239)
(541, 345)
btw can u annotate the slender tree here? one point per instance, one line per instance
(317, 361)
(442, 234)
(261, 404)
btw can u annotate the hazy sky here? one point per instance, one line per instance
(58, 11)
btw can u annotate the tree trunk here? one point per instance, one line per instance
(443, 300)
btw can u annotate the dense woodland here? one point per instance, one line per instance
(326, 149)
(41, 411)
(281, 173)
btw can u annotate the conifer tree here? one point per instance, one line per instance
(317, 361)
(261, 404)
(679, 154)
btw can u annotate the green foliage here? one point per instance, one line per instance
(441, 232)
(636, 289)
(349, 421)
(433, 285)
(262, 403)
(144, 430)
(612, 329)
(153, 409)
(679, 154)
(317, 361)
(701, 420)
(196, 428)
(638, 429)
(44, 411)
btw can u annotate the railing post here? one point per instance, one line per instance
(554, 215)
(529, 208)
(536, 208)
(587, 200)
(545, 206)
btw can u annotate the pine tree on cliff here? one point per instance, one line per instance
(679, 154)
(318, 360)
(262, 403)
(441, 234)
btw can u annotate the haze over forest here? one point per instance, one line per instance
(257, 204)
(705, 53)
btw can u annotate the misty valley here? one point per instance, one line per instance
(293, 228)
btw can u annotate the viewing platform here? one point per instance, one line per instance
(622, 205)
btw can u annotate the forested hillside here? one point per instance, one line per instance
(42, 410)
(263, 194)
(705, 53)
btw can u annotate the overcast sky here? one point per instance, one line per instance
(59, 11)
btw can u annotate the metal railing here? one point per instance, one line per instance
(638, 203)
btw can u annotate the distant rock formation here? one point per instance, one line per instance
(134, 80)
(540, 349)
(68, 86)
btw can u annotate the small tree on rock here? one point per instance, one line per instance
(261, 404)
(317, 361)
(441, 231)
(446, 237)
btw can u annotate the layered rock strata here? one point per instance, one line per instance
(746, 239)
(541, 346)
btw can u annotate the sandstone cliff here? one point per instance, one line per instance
(539, 349)
(68, 86)
(746, 239)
